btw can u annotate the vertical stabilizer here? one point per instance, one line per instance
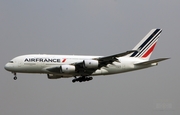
(146, 46)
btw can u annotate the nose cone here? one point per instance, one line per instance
(7, 67)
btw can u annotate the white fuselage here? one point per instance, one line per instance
(83, 67)
(37, 63)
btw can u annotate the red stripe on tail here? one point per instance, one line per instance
(149, 51)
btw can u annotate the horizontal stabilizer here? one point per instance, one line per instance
(151, 61)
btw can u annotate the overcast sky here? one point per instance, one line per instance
(91, 27)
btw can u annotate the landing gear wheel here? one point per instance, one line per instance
(74, 80)
(15, 78)
(90, 78)
(82, 79)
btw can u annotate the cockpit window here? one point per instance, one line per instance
(11, 62)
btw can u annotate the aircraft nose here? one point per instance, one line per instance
(7, 67)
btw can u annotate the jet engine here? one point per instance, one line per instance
(53, 76)
(67, 69)
(90, 63)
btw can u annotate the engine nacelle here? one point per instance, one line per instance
(90, 63)
(67, 69)
(53, 76)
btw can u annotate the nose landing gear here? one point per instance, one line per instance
(15, 77)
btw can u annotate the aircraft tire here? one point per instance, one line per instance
(74, 80)
(15, 78)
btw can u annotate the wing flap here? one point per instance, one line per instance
(151, 61)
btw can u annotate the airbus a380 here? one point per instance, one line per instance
(82, 68)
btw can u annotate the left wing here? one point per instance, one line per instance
(103, 61)
(98, 63)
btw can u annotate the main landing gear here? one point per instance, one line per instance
(15, 77)
(82, 79)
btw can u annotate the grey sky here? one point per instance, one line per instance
(94, 27)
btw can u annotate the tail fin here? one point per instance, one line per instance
(146, 46)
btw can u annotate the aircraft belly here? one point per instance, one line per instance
(116, 69)
(106, 71)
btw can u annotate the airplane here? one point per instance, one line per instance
(84, 68)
